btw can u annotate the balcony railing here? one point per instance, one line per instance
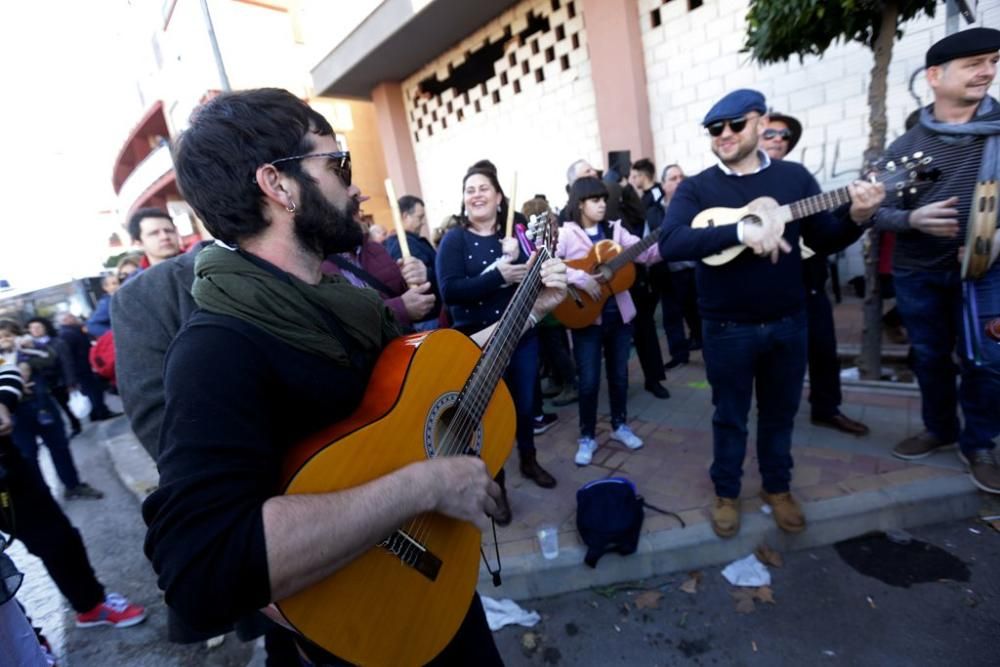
(145, 174)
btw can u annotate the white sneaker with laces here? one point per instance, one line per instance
(585, 452)
(624, 435)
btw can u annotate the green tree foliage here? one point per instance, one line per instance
(779, 29)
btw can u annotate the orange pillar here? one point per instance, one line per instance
(394, 132)
(618, 71)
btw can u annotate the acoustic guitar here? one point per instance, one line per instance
(762, 210)
(430, 394)
(980, 230)
(616, 266)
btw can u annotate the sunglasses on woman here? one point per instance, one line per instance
(340, 163)
(736, 125)
(772, 133)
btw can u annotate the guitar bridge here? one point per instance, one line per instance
(412, 553)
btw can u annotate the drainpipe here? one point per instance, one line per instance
(223, 79)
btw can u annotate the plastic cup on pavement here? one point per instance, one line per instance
(548, 539)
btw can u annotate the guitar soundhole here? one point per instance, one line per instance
(448, 431)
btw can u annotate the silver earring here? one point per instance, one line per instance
(291, 206)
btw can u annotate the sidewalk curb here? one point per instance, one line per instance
(133, 464)
(907, 506)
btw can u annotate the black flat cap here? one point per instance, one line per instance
(963, 44)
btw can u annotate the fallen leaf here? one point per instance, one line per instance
(617, 629)
(754, 645)
(648, 600)
(871, 602)
(769, 556)
(764, 594)
(691, 584)
(698, 384)
(744, 600)
(529, 641)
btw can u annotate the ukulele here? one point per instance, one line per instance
(617, 269)
(431, 394)
(763, 210)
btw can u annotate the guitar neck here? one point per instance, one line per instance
(824, 201)
(629, 254)
(502, 343)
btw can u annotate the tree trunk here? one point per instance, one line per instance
(870, 362)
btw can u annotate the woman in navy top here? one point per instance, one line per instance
(478, 271)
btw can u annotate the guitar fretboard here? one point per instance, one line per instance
(824, 201)
(630, 253)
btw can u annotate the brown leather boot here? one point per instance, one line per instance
(787, 513)
(535, 472)
(726, 516)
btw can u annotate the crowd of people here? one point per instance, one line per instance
(229, 354)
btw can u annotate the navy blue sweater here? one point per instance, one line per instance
(474, 299)
(750, 288)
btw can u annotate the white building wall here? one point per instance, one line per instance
(538, 131)
(693, 58)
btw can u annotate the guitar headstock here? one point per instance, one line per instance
(543, 231)
(904, 176)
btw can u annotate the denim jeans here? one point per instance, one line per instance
(39, 416)
(738, 357)
(614, 337)
(931, 306)
(521, 377)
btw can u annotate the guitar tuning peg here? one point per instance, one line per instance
(918, 155)
(890, 166)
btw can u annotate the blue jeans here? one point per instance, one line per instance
(772, 356)
(931, 306)
(521, 374)
(615, 337)
(39, 416)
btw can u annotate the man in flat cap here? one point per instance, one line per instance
(782, 134)
(961, 131)
(753, 307)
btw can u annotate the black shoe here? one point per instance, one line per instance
(107, 415)
(657, 389)
(544, 422)
(674, 363)
(83, 490)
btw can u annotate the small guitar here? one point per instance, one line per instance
(615, 266)
(765, 209)
(431, 394)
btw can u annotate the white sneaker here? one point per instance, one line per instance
(624, 435)
(585, 453)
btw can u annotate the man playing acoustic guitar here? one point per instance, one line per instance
(753, 307)
(275, 353)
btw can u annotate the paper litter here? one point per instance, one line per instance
(507, 612)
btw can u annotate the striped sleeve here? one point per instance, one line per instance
(11, 385)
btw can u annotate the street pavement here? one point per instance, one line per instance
(934, 601)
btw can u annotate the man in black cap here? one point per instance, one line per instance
(961, 131)
(753, 308)
(782, 134)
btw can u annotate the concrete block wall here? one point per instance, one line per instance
(693, 58)
(537, 128)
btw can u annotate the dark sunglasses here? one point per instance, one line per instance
(736, 125)
(340, 162)
(772, 133)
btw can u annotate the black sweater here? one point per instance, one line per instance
(750, 288)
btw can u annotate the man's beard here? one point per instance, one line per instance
(323, 228)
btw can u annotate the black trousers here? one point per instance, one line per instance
(555, 354)
(39, 522)
(61, 394)
(647, 343)
(824, 366)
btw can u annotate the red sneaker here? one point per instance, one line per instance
(116, 611)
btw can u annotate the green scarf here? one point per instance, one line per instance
(229, 284)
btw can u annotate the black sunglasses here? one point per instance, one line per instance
(772, 133)
(735, 124)
(340, 162)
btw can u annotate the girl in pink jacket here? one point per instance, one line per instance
(612, 332)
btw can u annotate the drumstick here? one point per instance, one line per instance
(510, 208)
(397, 219)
